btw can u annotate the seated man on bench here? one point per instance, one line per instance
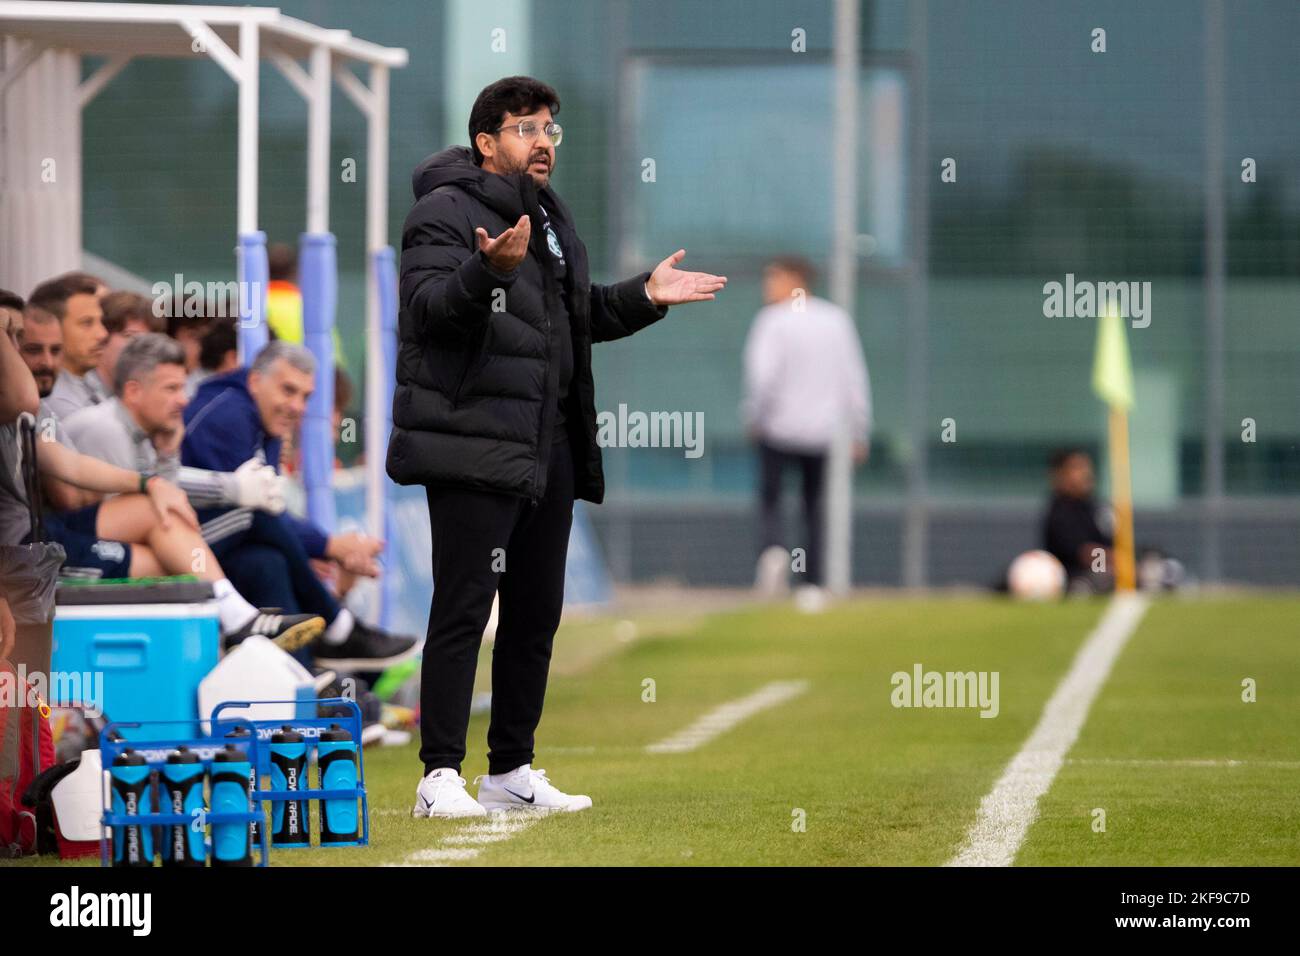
(147, 529)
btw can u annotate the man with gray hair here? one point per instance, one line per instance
(140, 429)
(147, 528)
(249, 413)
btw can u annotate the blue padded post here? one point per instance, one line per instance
(252, 273)
(318, 283)
(384, 263)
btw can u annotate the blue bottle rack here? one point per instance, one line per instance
(310, 728)
(155, 750)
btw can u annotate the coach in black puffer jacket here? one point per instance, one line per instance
(476, 387)
(495, 414)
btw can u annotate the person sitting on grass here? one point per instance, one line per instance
(1072, 526)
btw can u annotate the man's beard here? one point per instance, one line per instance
(525, 165)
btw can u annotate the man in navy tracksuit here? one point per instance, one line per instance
(250, 412)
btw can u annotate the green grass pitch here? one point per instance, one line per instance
(1184, 770)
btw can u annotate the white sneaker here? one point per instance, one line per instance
(442, 794)
(527, 789)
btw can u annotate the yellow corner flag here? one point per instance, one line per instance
(1112, 373)
(1112, 380)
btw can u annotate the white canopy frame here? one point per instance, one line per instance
(237, 39)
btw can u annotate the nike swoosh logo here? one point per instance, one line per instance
(528, 799)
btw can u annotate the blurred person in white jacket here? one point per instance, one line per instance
(805, 378)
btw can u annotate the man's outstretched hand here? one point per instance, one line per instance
(671, 286)
(508, 249)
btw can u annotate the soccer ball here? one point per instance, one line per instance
(1036, 576)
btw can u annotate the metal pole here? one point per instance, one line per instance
(248, 98)
(318, 141)
(1215, 268)
(318, 285)
(251, 262)
(844, 224)
(621, 136)
(378, 388)
(915, 513)
(843, 278)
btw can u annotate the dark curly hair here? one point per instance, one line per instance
(513, 94)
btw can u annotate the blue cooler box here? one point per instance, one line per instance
(141, 648)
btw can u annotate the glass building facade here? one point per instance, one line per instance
(1172, 158)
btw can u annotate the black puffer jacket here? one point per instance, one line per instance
(476, 388)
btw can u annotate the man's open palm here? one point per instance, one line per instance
(670, 286)
(508, 249)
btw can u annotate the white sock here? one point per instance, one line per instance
(232, 610)
(502, 777)
(339, 628)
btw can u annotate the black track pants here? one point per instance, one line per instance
(812, 469)
(472, 530)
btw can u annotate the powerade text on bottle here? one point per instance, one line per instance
(290, 822)
(132, 797)
(252, 786)
(182, 792)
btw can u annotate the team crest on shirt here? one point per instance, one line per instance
(553, 243)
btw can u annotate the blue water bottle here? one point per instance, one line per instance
(182, 792)
(290, 823)
(132, 797)
(252, 788)
(230, 844)
(336, 762)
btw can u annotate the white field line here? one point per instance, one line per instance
(721, 719)
(1007, 811)
(1189, 762)
(472, 839)
(454, 848)
(441, 855)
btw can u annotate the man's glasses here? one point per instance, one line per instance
(529, 130)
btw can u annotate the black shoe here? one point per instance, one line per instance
(366, 648)
(289, 632)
